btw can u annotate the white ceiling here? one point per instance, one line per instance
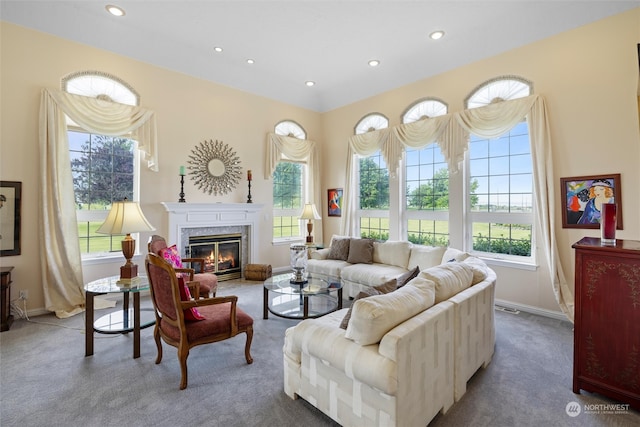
(329, 42)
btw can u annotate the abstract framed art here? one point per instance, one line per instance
(582, 197)
(334, 201)
(10, 202)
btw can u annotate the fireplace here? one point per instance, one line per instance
(222, 254)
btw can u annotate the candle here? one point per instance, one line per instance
(182, 171)
(249, 175)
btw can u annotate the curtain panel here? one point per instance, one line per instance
(61, 270)
(451, 132)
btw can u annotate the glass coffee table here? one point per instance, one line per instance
(316, 297)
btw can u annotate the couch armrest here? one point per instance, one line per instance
(320, 253)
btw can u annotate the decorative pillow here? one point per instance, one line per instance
(449, 279)
(404, 278)
(373, 317)
(453, 254)
(362, 294)
(172, 256)
(479, 268)
(191, 314)
(360, 251)
(339, 249)
(426, 256)
(387, 287)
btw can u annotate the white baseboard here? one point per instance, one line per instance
(533, 310)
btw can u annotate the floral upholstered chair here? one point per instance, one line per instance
(184, 323)
(208, 281)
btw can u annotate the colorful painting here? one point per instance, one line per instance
(335, 201)
(583, 196)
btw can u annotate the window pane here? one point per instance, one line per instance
(374, 228)
(374, 183)
(511, 239)
(287, 196)
(428, 232)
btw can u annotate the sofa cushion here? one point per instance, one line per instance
(319, 253)
(360, 251)
(326, 267)
(449, 278)
(453, 254)
(370, 274)
(426, 256)
(339, 249)
(392, 253)
(374, 316)
(368, 292)
(478, 267)
(404, 278)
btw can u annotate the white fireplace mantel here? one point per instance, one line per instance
(195, 215)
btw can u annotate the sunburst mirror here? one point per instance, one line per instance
(214, 167)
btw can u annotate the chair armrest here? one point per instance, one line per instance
(194, 288)
(189, 271)
(195, 261)
(233, 299)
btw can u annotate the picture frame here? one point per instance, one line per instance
(582, 195)
(334, 201)
(10, 207)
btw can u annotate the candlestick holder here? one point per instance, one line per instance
(181, 199)
(249, 197)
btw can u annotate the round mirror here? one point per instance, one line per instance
(216, 167)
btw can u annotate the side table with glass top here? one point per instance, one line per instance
(317, 296)
(120, 321)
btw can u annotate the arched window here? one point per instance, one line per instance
(105, 168)
(289, 188)
(373, 184)
(500, 178)
(426, 182)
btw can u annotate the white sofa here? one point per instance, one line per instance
(404, 357)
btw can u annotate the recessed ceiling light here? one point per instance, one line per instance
(310, 83)
(374, 63)
(436, 35)
(217, 49)
(250, 61)
(114, 10)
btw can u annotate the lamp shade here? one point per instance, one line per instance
(310, 212)
(124, 218)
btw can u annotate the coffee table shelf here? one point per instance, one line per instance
(318, 296)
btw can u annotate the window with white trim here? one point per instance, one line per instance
(289, 189)
(500, 180)
(426, 176)
(373, 185)
(104, 168)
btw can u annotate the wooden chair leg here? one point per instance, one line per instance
(183, 368)
(156, 336)
(247, 347)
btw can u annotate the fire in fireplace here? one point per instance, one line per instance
(221, 253)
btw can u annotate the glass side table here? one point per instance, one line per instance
(118, 322)
(318, 296)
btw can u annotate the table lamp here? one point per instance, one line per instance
(310, 213)
(126, 217)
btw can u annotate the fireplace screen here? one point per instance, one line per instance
(221, 253)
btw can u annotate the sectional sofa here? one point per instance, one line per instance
(399, 356)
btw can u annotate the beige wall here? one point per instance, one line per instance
(588, 76)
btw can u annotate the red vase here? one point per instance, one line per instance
(608, 224)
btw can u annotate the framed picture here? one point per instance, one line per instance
(582, 197)
(10, 199)
(334, 201)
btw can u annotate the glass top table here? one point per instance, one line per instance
(315, 297)
(121, 321)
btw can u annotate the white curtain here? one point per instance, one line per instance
(452, 134)
(300, 150)
(61, 269)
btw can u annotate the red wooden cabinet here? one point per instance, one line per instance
(606, 357)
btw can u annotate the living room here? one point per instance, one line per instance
(588, 77)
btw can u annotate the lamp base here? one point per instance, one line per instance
(128, 271)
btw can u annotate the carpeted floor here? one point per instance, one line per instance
(46, 380)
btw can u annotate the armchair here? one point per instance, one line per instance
(222, 318)
(208, 281)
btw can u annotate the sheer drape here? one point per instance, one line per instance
(61, 269)
(452, 132)
(300, 150)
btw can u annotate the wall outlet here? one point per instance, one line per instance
(24, 294)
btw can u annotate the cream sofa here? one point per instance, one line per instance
(404, 356)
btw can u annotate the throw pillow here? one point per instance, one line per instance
(360, 251)
(387, 287)
(362, 294)
(450, 278)
(478, 267)
(191, 314)
(172, 256)
(405, 278)
(339, 249)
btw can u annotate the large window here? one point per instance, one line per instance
(289, 180)
(373, 184)
(427, 183)
(500, 180)
(104, 168)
